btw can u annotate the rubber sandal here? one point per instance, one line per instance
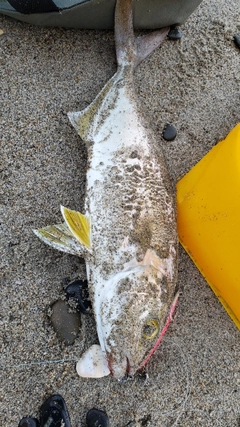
(95, 14)
(54, 413)
(28, 422)
(97, 418)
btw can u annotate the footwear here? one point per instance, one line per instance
(95, 14)
(54, 413)
(28, 422)
(97, 418)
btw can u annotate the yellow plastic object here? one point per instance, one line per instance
(208, 199)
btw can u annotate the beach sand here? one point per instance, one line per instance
(193, 83)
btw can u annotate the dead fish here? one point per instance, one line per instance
(128, 233)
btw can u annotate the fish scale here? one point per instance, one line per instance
(128, 233)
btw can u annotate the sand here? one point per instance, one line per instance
(194, 84)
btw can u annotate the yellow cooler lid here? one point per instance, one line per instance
(208, 202)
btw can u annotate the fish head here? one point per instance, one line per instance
(131, 316)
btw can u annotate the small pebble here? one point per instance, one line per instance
(169, 133)
(237, 41)
(97, 418)
(175, 33)
(93, 363)
(65, 323)
(78, 290)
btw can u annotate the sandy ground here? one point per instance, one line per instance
(194, 84)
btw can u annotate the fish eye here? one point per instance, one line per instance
(150, 329)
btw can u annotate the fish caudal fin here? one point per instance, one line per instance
(73, 236)
(79, 225)
(124, 35)
(131, 50)
(148, 43)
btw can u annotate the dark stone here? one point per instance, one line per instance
(237, 41)
(146, 420)
(54, 413)
(28, 422)
(65, 323)
(169, 133)
(175, 33)
(97, 418)
(78, 290)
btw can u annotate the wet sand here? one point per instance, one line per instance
(193, 84)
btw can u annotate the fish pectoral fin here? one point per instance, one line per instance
(151, 259)
(60, 237)
(148, 43)
(79, 225)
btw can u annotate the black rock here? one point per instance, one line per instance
(28, 422)
(97, 418)
(78, 290)
(237, 40)
(54, 413)
(169, 133)
(65, 323)
(175, 33)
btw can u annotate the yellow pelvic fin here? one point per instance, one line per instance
(79, 225)
(60, 237)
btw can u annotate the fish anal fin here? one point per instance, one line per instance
(79, 225)
(59, 237)
(87, 121)
(81, 122)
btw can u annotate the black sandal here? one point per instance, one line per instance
(54, 413)
(97, 418)
(28, 422)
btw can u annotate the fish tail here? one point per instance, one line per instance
(129, 49)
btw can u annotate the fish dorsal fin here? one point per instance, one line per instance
(60, 237)
(79, 225)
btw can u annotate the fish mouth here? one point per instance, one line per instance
(122, 370)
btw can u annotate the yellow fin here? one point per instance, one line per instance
(60, 237)
(79, 225)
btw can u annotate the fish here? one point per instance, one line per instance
(127, 233)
